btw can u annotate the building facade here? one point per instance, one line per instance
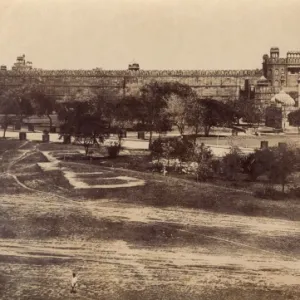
(276, 74)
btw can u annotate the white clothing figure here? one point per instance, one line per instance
(73, 283)
(165, 171)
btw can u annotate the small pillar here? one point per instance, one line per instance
(30, 127)
(264, 145)
(67, 139)
(123, 134)
(22, 136)
(141, 135)
(46, 138)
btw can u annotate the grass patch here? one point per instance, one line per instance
(95, 181)
(9, 186)
(169, 191)
(270, 193)
(58, 146)
(9, 144)
(46, 181)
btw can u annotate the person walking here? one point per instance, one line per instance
(73, 283)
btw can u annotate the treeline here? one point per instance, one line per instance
(155, 107)
(179, 155)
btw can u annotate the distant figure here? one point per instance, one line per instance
(164, 171)
(73, 283)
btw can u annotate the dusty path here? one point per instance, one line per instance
(105, 266)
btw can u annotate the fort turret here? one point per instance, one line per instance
(274, 52)
(134, 67)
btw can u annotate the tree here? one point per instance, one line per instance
(90, 133)
(153, 112)
(82, 119)
(17, 101)
(194, 114)
(248, 110)
(7, 109)
(123, 114)
(5, 120)
(208, 113)
(232, 163)
(176, 110)
(177, 107)
(43, 104)
(258, 163)
(282, 165)
(119, 111)
(156, 148)
(152, 104)
(294, 118)
(216, 113)
(203, 156)
(277, 162)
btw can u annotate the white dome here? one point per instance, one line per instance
(262, 78)
(283, 98)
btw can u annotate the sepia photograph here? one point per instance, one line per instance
(149, 149)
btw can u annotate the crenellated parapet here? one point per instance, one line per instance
(220, 84)
(133, 73)
(277, 60)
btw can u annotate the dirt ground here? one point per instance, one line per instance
(124, 244)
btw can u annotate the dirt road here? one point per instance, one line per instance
(185, 251)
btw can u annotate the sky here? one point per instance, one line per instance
(157, 34)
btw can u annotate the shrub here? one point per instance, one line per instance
(204, 171)
(258, 163)
(202, 153)
(232, 164)
(156, 149)
(295, 192)
(216, 166)
(269, 193)
(171, 148)
(157, 166)
(182, 149)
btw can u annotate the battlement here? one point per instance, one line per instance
(135, 73)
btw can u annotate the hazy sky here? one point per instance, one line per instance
(158, 34)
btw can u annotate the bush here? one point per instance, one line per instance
(202, 153)
(216, 166)
(156, 148)
(258, 163)
(157, 167)
(204, 171)
(171, 148)
(269, 193)
(232, 164)
(295, 192)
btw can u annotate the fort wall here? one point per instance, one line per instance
(221, 84)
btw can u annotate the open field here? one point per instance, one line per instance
(163, 238)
